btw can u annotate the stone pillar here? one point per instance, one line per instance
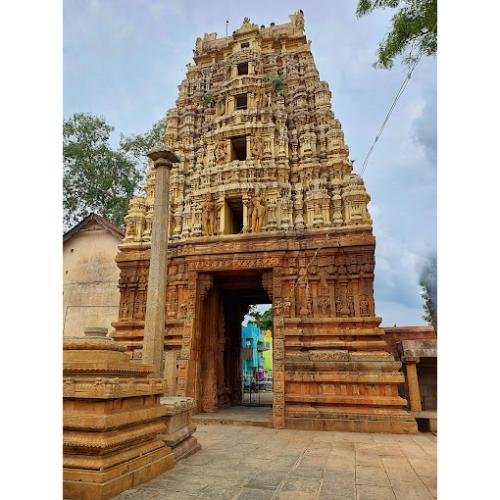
(154, 324)
(413, 388)
(221, 210)
(246, 201)
(170, 372)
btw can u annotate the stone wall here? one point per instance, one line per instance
(427, 380)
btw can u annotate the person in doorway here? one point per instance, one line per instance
(253, 385)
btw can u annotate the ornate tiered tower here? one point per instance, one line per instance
(265, 207)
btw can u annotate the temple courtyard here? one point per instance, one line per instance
(248, 462)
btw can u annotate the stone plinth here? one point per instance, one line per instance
(178, 435)
(112, 417)
(345, 391)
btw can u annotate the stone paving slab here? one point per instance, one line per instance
(256, 463)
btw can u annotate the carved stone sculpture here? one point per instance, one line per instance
(209, 216)
(258, 213)
(265, 187)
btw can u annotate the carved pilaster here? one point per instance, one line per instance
(267, 283)
(205, 283)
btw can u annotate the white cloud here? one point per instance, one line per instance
(116, 21)
(125, 58)
(162, 7)
(395, 313)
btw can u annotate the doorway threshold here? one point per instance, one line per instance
(258, 416)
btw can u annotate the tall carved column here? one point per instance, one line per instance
(154, 325)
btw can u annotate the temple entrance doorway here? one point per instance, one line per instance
(257, 356)
(225, 373)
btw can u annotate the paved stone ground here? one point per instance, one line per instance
(262, 398)
(255, 463)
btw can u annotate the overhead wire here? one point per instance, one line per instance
(395, 100)
(399, 93)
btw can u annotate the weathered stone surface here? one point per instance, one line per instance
(415, 349)
(179, 428)
(111, 416)
(264, 207)
(238, 460)
(154, 321)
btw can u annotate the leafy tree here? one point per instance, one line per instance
(264, 321)
(414, 27)
(96, 177)
(137, 146)
(428, 285)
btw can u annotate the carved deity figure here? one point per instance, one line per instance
(258, 213)
(324, 304)
(130, 229)
(260, 97)
(338, 305)
(304, 299)
(287, 306)
(198, 46)
(220, 152)
(256, 148)
(249, 204)
(364, 306)
(298, 21)
(208, 216)
(350, 301)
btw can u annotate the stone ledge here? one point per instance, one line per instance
(345, 377)
(133, 473)
(77, 420)
(346, 399)
(366, 345)
(105, 440)
(104, 462)
(331, 355)
(354, 366)
(375, 320)
(112, 388)
(91, 344)
(121, 368)
(188, 447)
(415, 349)
(178, 436)
(177, 404)
(385, 426)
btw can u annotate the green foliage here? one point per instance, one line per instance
(96, 177)
(137, 146)
(277, 82)
(207, 99)
(413, 33)
(264, 321)
(428, 285)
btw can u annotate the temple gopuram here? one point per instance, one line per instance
(264, 208)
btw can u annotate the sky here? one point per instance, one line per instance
(123, 60)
